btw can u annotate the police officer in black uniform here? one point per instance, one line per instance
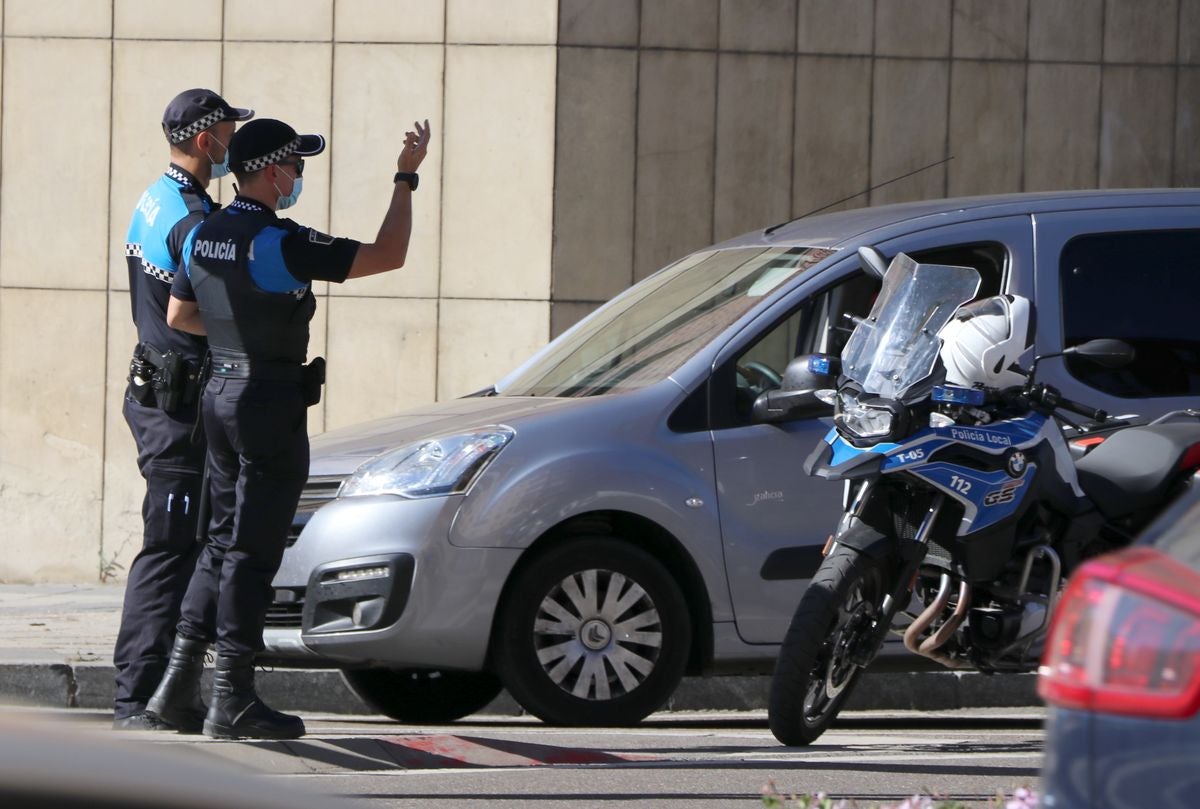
(161, 401)
(247, 285)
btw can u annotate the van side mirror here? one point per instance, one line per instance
(796, 397)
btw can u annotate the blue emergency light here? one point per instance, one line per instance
(952, 394)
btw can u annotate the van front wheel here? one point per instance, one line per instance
(593, 632)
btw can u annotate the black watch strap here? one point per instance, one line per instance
(409, 177)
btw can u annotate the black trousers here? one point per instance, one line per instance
(257, 466)
(172, 465)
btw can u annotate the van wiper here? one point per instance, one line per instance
(490, 390)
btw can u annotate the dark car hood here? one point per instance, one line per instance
(341, 451)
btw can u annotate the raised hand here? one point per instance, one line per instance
(416, 145)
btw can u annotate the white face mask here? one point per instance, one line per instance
(290, 200)
(220, 169)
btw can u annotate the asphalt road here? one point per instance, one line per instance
(672, 760)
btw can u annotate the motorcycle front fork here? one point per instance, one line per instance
(910, 554)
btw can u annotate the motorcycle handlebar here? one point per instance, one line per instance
(1083, 410)
(1048, 396)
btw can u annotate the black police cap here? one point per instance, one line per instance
(260, 143)
(193, 111)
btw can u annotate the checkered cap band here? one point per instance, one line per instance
(257, 163)
(196, 127)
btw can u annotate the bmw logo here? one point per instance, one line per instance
(1016, 464)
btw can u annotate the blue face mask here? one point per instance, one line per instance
(290, 199)
(220, 169)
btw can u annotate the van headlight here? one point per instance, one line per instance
(432, 468)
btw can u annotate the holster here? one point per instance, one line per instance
(162, 379)
(313, 379)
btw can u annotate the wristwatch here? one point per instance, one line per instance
(409, 177)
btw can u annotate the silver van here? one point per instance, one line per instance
(612, 514)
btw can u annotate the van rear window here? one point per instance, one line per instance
(1141, 287)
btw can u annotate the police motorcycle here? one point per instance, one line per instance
(964, 508)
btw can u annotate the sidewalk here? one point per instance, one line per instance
(56, 643)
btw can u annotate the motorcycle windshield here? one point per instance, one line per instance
(897, 345)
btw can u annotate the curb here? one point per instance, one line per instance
(59, 685)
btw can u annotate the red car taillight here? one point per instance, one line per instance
(1125, 638)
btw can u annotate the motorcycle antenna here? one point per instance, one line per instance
(774, 228)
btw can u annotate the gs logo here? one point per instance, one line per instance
(1006, 493)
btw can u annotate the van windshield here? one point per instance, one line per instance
(651, 329)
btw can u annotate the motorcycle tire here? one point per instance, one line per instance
(813, 675)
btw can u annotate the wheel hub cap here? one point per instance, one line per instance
(595, 635)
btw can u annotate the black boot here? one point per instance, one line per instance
(177, 700)
(236, 712)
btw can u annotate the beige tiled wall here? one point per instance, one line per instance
(578, 146)
(52, 432)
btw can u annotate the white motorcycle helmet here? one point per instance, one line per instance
(985, 339)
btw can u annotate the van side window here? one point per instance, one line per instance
(989, 258)
(820, 326)
(1140, 287)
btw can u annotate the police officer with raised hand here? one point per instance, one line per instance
(161, 401)
(247, 286)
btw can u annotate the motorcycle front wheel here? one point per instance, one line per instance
(815, 674)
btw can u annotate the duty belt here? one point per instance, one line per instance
(227, 367)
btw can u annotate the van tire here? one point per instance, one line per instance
(594, 632)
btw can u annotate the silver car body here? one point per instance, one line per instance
(721, 500)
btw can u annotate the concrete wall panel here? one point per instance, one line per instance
(58, 18)
(593, 185)
(1189, 32)
(54, 173)
(754, 142)
(987, 126)
(1062, 127)
(677, 97)
(919, 28)
(1137, 127)
(680, 23)
(835, 26)
(909, 128)
(124, 488)
(499, 172)
(279, 20)
(1141, 31)
(513, 22)
(51, 434)
(389, 20)
(383, 345)
(1066, 30)
(832, 141)
(990, 29)
(758, 25)
(481, 341)
(1187, 129)
(369, 122)
(612, 23)
(265, 76)
(167, 19)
